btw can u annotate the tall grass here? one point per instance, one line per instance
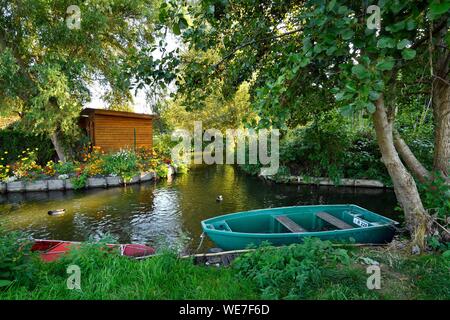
(313, 270)
(108, 276)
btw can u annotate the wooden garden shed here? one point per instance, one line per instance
(114, 130)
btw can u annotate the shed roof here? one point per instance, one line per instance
(123, 114)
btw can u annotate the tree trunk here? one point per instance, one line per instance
(410, 159)
(58, 147)
(441, 111)
(417, 219)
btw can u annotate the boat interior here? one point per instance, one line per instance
(297, 220)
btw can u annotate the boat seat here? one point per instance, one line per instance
(289, 224)
(338, 223)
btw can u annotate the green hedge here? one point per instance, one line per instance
(14, 141)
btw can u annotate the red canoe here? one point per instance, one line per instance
(53, 249)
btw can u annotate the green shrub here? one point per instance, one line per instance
(80, 181)
(282, 174)
(302, 271)
(162, 170)
(163, 144)
(362, 159)
(436, 196)
(65, 167)
(15, 259)
(14, 141)
(318, 149)
(123, 163)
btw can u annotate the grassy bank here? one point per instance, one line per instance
(314, 270)
(108, 276)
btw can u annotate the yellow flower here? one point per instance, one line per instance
(6, 152)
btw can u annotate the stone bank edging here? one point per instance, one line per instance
(363, 183)
(66, 184)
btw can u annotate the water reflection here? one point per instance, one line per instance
(168, 212)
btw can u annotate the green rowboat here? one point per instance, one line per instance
(287, 225)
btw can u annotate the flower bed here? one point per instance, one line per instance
(96, 169)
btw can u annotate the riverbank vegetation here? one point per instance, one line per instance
(350, 101)
(91, 162)
(313, 270)
(305, 61)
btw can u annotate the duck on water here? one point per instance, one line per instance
(56, 212)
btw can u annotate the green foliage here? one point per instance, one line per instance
(415, 125)
(163, 144)
(45, 77)
(302, 271)
(106, 275)
(294, 72)
(325, 58)
(430, 274)
(15, 259)
(182, 168)
(313, 270)
(162, 170)
(318, 149)
(67, 167)
(435, 242)
(436, 196)
(123, 163)
(323, 147)
(80, 181)
(251, 169)
(330, 148)
(217, 111)
(14, 140)
(282, 174)
(362, 158)
(26, 168)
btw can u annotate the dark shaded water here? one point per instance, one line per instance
(168, 212)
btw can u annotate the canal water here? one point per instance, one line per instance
(168, 212)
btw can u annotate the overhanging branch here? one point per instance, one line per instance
(245, 44)
(410, 159)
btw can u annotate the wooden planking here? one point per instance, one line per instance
(289, 224)
(338, 223)
(113, 132)
(117, 134)
(116, 137)
(124, 125)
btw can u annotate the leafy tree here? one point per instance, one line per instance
(304, 52)
(47, 63)
(216, 112)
